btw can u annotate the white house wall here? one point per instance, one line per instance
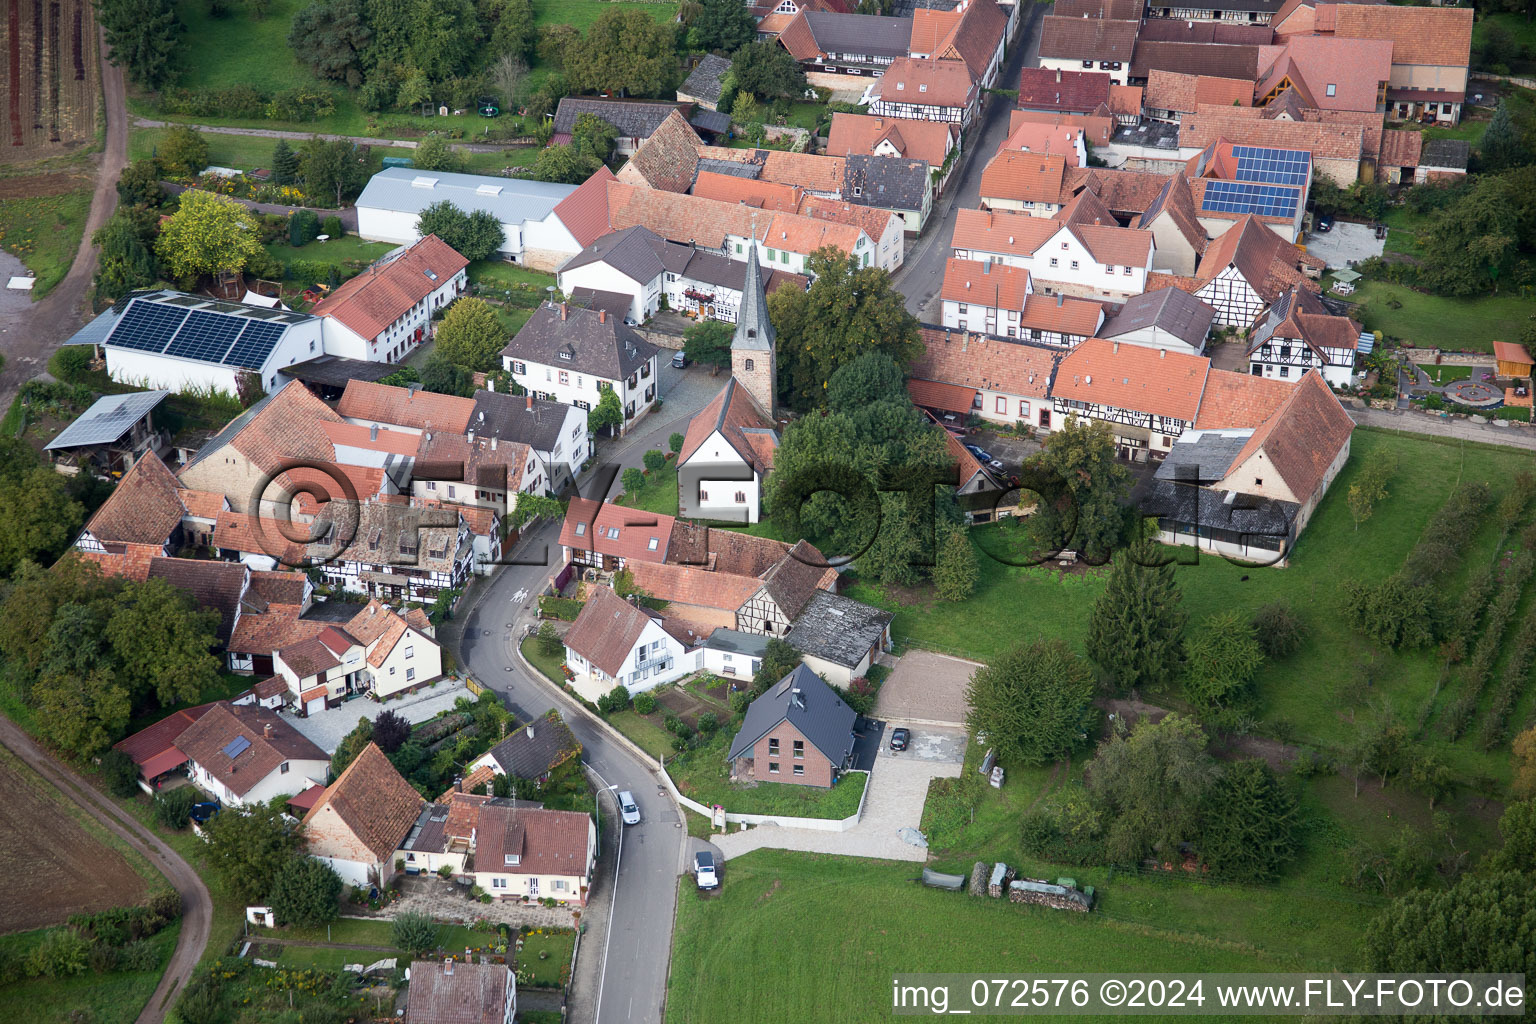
(415, 659)
(644, 296)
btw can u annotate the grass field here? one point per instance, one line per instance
(550, 665)
(113, 998)
(44, 232)
(703, 774)
(1430, 321)
(559, 944)
(1445, 373)
(501, 274)
(659, 494)
(649, 735)
(242, 152)
(335, 250)
(836, 929)
(1402, 223)
(1316, 695)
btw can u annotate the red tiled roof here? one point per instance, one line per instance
(1436, 36)
(641, 536)
(155, 740)
(1303, 437)
(144, 508)
(1324, 141)
(854, 134)
(1509, 352)
(1237, 400)
(405, 407)
(1267, 262)
(1125, 100)
(733, 412)
(924, 81)
(666, 161)
(1031, 137)
(1401, 148)
(726, 551)
(355, 435)
(1087, 38)
(972, 37)
(1132, 377)
(585, 211)
(609, 627)
(1025, 177)
(206, 739)
(1001, 231)
(1171, 90)
(693, 585)
(762, 195)
(995, 285)
(975, 362)
(207, 504)
(370, 303)
(873, 222)
(1096, 128)
(283, 430)
(546, 842)
(375, 803)
(1062, 314)
(1065, 91)
(933, 394)
(455, 993)
(271, 630)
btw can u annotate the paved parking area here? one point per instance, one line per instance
(1344, 244)
(926, 689)
(1010, 451)
(326, 729)
(898, 787)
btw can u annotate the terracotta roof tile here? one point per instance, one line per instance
(696, 586)
(1303, 437)
(799, 574)
(1239, 400)
(973, 37)
(215, 585)
(753, 192)
(976, 362)
(585, 211)
(1401, 148)
(373, 801)
(591, 526)
(804, 170)
(144, 508)
(609, 627)
(667, 160)
(942, 83)
(548, 842)
(1063, 91)
(853, 134)
(1001, 231)
(1133, 377)
(472, 994)
(872, 221)
(202, 504)
(1267, 262)
(732, 412)
(206, 740)
(726, 551)
(1031, 137)
(1096, 128)
(994, 285)
(934, 394)
(1221, 60)
(1123, 10)
(1061, 314)
(1026, 177)
(1087, 38)
(1437, 36)
(1324, 141)
(280, 587)
(371, 302)
(156, 739)
(405, 407)
(1125, 100)
(1158, 279)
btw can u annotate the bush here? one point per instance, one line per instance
(103, 959)
(739, 702)
(173, 809)
(564, 608)
(645, 703)
(415, 933)
(71, 363)
(675, 442)
(120, 773)
(1281, 631)
(654, 460)
(708, 723)
(303, 227)
(60, 954)
(138, 956)
(616, 699)
(331, 227)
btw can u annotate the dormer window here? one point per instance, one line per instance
(581, 529)
(512, 858)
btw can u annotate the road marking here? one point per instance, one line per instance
(618, 859)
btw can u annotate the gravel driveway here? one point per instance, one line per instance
(326, 729)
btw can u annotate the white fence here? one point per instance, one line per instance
(783, 820)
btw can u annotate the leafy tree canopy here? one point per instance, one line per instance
(471, 334)
(767, 71)
(721, 25)
(248, 847)
(209, 235)
(1153, 783)
(305, 892)
(1034, 703)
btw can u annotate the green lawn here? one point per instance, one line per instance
(1521, 30)
(501, 274)
(115, 998)
(836, 929)
(559, 944)
(659, 494)
(1403, 224)
(336, 250)
(326, 958)
(1313, 696)
(1430, 321)
(1445, 373)
(349, 930)
(242, 152)
(45, 233)
(645, 731)
(550, 665)
(703, 774)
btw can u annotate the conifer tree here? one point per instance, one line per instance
(1135, 630)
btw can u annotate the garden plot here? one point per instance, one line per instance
(50, 77)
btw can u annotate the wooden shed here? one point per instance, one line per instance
(1514, 360)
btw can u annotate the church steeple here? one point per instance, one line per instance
(753, 361)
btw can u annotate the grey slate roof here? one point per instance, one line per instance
(859, 33)
(754, 332)
(816, 710)
(108, 419)
(510, 200)
(837, 628)
(634, 252)
(705, 81)
(885, 182)
(582, 341)
(1186, 503)
(528, 757)
(712, 121)
(735, 168)
(1445, 153)
(733, 642)
(1171, 309)
(336, 371)
(1205, 459)
(633, 118)
(509, 418)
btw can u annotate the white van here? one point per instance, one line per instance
(628, 809)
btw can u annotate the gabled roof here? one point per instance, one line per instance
(1033, 137)
(853, 134)
(1235, 401)
(873, 222)
(667, 160)
(535, 422)
(1026, 177)
(581, 340)
(544, 842)
(609, 529)
(695, 586)
(377, 627)
(994, 285)
(1175, 201)
(1096, 127)
(1125, 100)
(732, 413)
(1061, 314)
(1339, 73)
(1171, 90)
(607, 630)
(278, 430)
(1435, 36)
(1119, 10)
(723, 551)
(405, 407)
(1063, 91)
(1267, 262)
(839, 629)
(1303, 436)
(509, 200)
(107, 420)
(799, 574)
(1087, 38)
(585, 211)
(216, 585)
(309, 657)
(1167, 309)
(1134, 377)
(885, 182)
(144, 508)
(241, 745)
(458, 993)
(1183, 30)
(1509, 352)
(634, 252)
(153, 741)
(537, 748)
(975, 361)
(971, 33)
(371, 302)
(926, 81)
(374, 801)
(1401, 148)
(633, 118)
(1220, 60)
(705, 81)
(810, 34)
(753, 192)
(1010, 232)
(806, 702)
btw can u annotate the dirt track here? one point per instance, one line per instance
(29, 336)
(197, 907)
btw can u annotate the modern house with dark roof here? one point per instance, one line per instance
(798, 732)
(362, 818)
(246, 755)
(726, 456)
(533, 751)
(838, 637)
(1168, 318)
(571, 356)
(449, 992)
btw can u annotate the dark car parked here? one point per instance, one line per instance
(900, 738)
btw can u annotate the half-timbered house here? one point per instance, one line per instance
(1147, 396)
(1298, 333)
(604, 537)
(1245, 269)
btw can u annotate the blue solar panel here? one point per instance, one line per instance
(237, 746)
(255, 344)
(146, 326)
(205, 336)
(1250, 197)
(1273, 166)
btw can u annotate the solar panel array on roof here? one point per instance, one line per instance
(1273, 166)
(205, 336)
(147, 326)
(237, 746)
(1251, 197)
(255, 344)
(192, 327)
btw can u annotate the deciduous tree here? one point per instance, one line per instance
(767, 71)
(1084, 504)
(470, 334)
(513, 36)
(332, 170)
(182, 151)
(209, 235)
(721, 25)
(779, 660)
(248, 846)
(1523, 761)
(124, 263)
(162, 640)
(709, 342)
(624, 51)
(352, 744)
(475, 236)
(40, 518)
(83, 714)
(1034, 703)
(1153, 784)
(445, 377)
(390, 731)
(1517, 827)
(433, 153)
(1136, 626)
(1482, 923)
(305, 892)
(606, 413)
(871, 377)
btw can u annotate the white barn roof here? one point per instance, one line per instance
(509, 200)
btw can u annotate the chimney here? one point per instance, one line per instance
(528, 400)
(458, 784)
(563, 311)
(266, 730)
(530, 730)
(602, 316)
(493, 444)
(373, 432)
(1060, 298)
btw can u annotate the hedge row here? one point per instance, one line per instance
(1479, 666)
(1517, 670)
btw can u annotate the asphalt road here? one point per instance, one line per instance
(197, 907)
(922, 274)
(637, 947)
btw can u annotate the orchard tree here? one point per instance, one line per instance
(1221, 659)
(434, 153)
(305, 893)
(1249, 829)
(1034, 703)
(1517, 827)
(390, 731)
(183, 151)
(208, 236)
(1523, 763)
(139, 184)
(1136, 625)
(1153, 783)
(248, 846)
(162, 640)
(470, 334)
